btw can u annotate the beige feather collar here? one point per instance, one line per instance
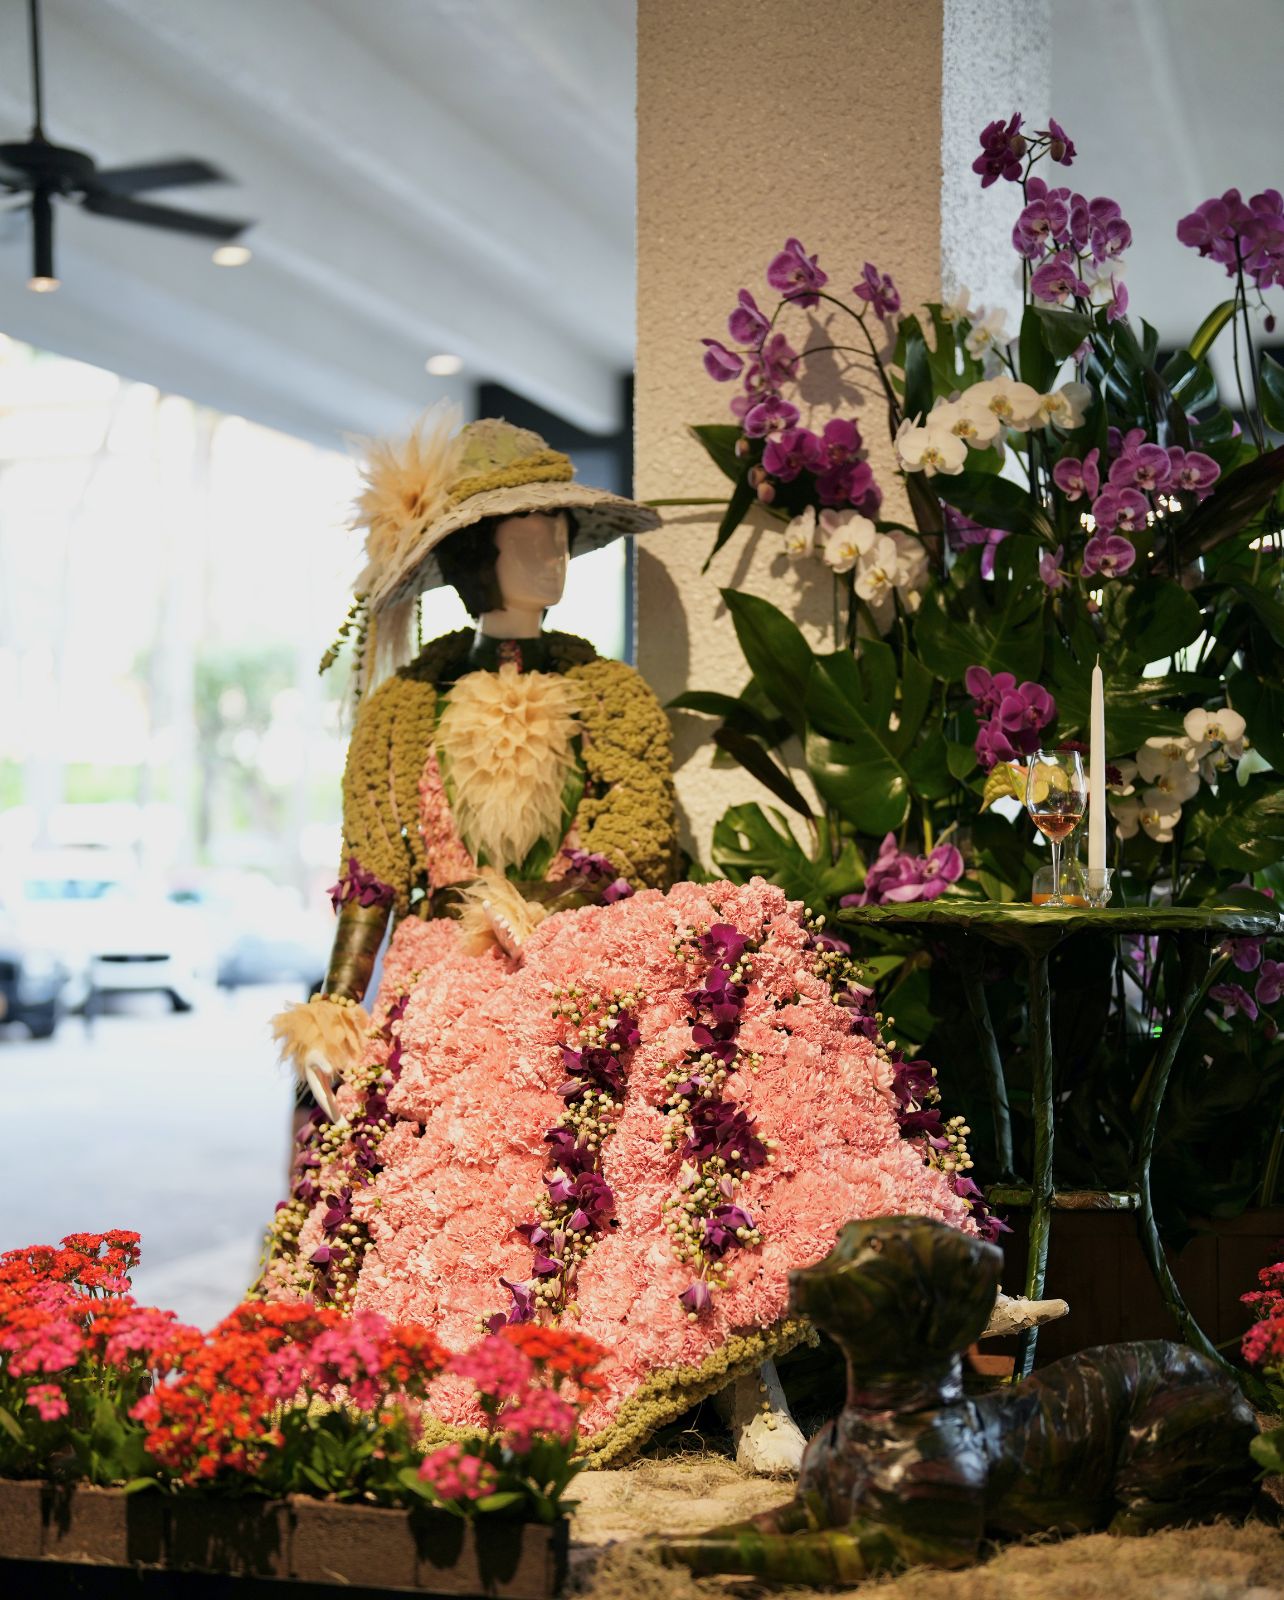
(504, 746)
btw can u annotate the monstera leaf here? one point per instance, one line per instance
(996, 625)
(1242, 829)
(1261, 704)
(752, 842)
(779, 657)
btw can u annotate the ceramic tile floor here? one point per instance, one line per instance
(176, 1126)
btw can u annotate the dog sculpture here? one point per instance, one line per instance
(1128, 1436)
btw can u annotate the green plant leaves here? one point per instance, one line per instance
(1261, 704)
(1062, 331)
(1149, 620)
(1243, 829)
(998, 626)
(719, 440)
(752, 842)
(1209, 328)
(1239, 497)
(995, 502)
(778, 655)
(755, 760)
(1271, 375)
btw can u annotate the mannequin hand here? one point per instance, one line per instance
(319, 1076)
(506, 936)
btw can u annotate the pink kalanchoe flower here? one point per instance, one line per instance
(457, 1476)
(1192, 472)
(498, 1369)
(1057, 280)
(1074, 477)
(1270, 983)
(1233, 998)
(746, 324)
(796, 275)
(1002, 147)
(48, 1400)
(1109, 554)
(877, 290)
(1116, 508)
(721, 364)
(540, 1415)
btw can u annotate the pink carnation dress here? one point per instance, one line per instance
(637, 1131)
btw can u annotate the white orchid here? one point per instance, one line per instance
(988, 331)
(929, 449)
(1160, 755)
(846, 535)
(800, 536)
(890, 565)
(1065, 407)
(1016, 405)
(956, 310)
(1133, 812)
(1102, 276)
(1222, 727)
(974, 424)
(1127, 771)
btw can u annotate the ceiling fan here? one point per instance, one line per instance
(46, 171)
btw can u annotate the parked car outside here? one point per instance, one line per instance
(259, 930)
(115, 932)
(33, 982)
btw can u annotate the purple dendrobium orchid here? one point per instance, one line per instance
(796, 275)
(1075, 478)
(878, 291)
(1270, 983)
(718, 1128)
(1057, 280)
(1108, 554)
(1233, 998)
(1192, 472)
(619, 889)
(1116, 508)
(360, 887)
(1002, 147)
(746, 324)
(723, 944)
(912, 1082)
(322, 1256)
(722, 365)
(697, 1298)
(570, 1153)
(792, 451)
(523, 1301)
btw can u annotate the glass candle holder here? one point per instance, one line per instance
(1098, 883)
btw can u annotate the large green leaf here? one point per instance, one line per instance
(749, 842)
(1272, 380)
(994, 502)
(755, 760)
(918, 377)
(743, 499)
(862, 780)
(1038, 364)
(1210, 327)
(1269, 611)
(719, 440)
(1063, 332)
(1261, 704)
(1149, 621)
(917, 684)
(997, 625)
(1243, 829)
(779, 657)
(1190, 381)
(737, 712)
(1237, 498)
(1137, 708)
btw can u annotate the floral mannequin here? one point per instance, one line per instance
(559, 1106)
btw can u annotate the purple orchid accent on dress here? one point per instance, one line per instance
(359, 887)
(796, 275)
(878, 291)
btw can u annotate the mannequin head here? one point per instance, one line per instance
(509, 570)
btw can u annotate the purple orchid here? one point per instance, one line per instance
(912, 1082)
(322, 1256)
(850, 484)
(339, 1211)
(878, 291)
(1192, 472)
(796, 275)
(992, 745)
(1075, 478)
(1270, 983)
(1024, 712)
(771, 414)
(720, 1229)
(624, 1032)
(987, 690)
(841, 442)
(618, 889)
(722, 365)
(1116, 508)
(1145, 466)
(1108, 234)
(1118, 305)
(523, 1309)
(1233, 998)
(1050, 573)
(1060, 145)
(793, 451)
(1245, 953)
(570, 1153)
(962, 532)
(899, 877)
(723, 944)
(718, 1128)
(696, 1299)
(1042, 224)
(1234, 233)
(1002, 147)
(1057, 280)
(1109, 554)
(746, 324)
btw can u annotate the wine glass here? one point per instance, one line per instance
(1056, 795)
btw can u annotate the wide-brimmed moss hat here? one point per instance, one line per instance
(442, 478)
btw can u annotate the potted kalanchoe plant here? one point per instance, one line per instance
(1070, 493)
(276, 1412)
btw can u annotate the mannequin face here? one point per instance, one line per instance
(532, 553)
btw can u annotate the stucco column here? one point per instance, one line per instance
(847, 123)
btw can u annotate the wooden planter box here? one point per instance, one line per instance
(301, 1540)
(1095, 1261)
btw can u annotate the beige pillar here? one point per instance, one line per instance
(852, 125)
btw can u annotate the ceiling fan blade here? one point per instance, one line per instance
(176, 173)
(154, 216)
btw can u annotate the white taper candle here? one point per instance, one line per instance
(1097, 774)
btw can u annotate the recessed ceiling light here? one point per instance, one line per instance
(42, 285)
(443, 365)
(231, 255)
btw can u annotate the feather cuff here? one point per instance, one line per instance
(323, 1029)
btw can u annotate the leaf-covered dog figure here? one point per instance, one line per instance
(1127, 1436)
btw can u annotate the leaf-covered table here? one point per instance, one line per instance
(1036, 931)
